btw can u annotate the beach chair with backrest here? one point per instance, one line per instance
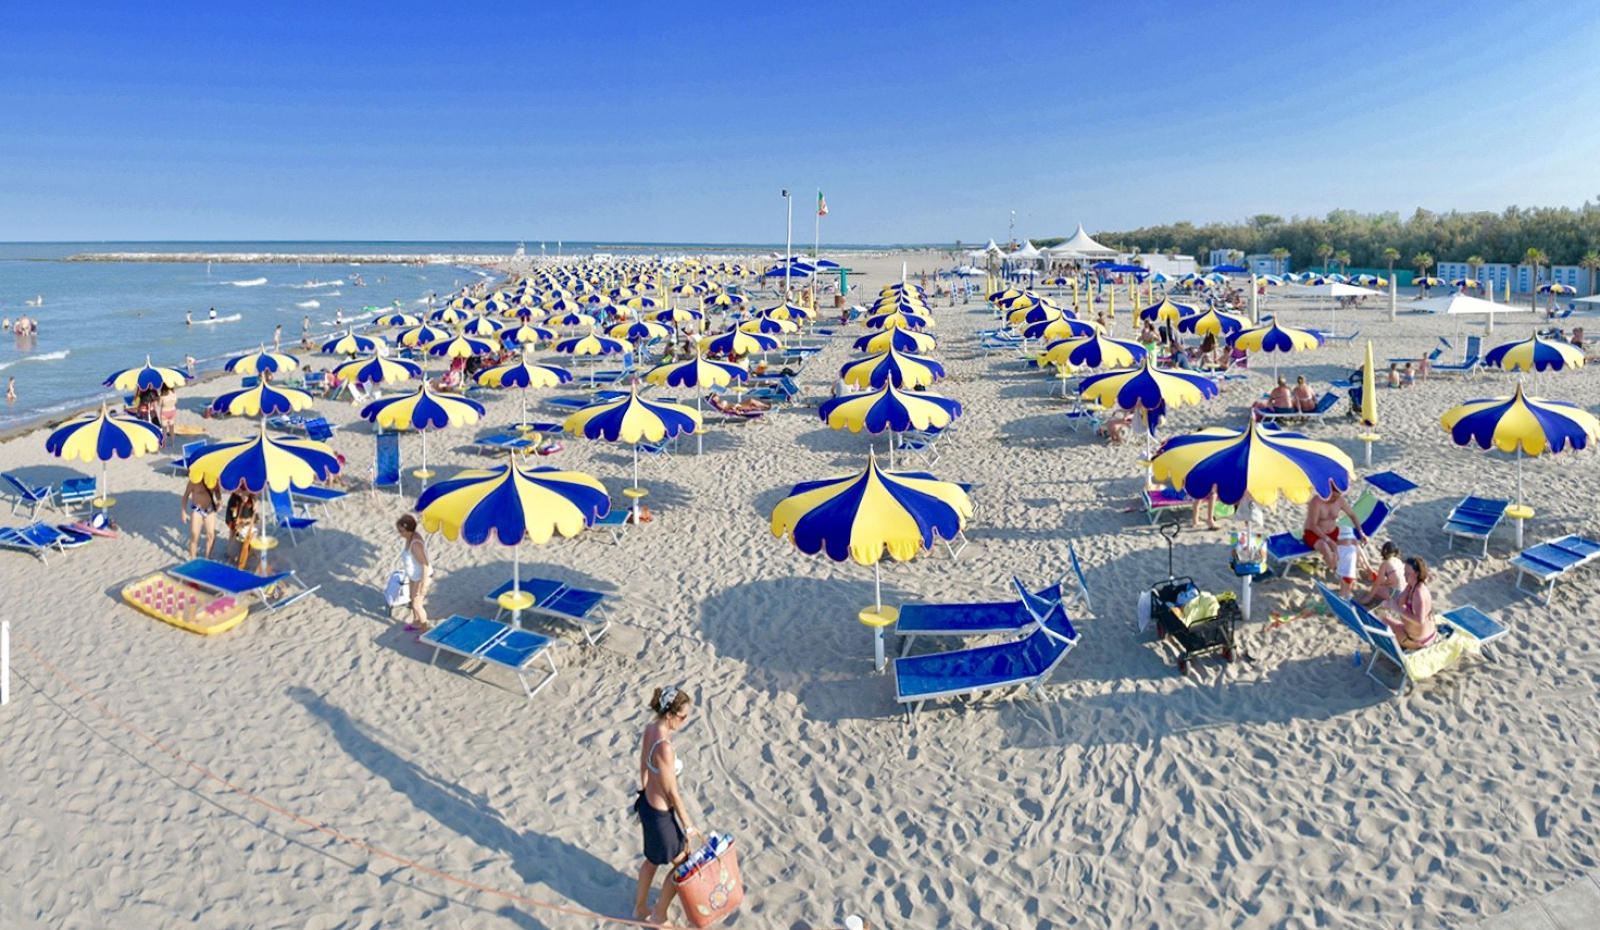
(494, 643)
(35, 539)
(501, 443)
(181, 464)
(316, 381)
(30, 495)
(583, 609)
(730, 412)
(319, 429)
(779, 390)
(1027, 662)
(1475, 518)
(614, 523)
(284, 515)
(1286, 550)
(1549, 561)
(1325, 405)
(77, 492)
(273, 591)
(978, 619)
(1415, 665)
(1392, 484)
(386, 463)
(1472, 362)
(924, 444)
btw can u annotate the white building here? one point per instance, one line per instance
(1173, 266)
(1496, 274)
(1264, 263)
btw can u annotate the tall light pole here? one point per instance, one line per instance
(1011, 231)
(788, 243)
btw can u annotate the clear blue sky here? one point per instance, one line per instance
(920, 121)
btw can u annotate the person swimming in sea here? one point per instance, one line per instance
(188, 318)
(212, 313)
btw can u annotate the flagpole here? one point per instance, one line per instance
(816, 245)
(788, 244)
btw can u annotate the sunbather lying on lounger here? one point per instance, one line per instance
(1281, 400)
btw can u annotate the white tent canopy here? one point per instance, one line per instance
(992, 247)
(1595, 299)
(1456, 304)
(1334, 289)
(1081, 245)
(1027, 253)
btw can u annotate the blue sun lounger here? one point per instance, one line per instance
(583, 609)
(274, 591)
(979, 619)
(493, 643)
(1286, 550)
(1548, 561)
(494, 445)
(1475, 518)
(23, 493)
(1029, 661)
(318, 494)
(37, 539)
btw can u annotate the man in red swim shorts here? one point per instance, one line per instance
(1321, 531)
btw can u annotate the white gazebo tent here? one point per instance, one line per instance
(1464, 304)
(1080, 247)
(1335, 290)
(1028, 253)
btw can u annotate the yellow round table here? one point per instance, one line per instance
(514, 603)
(1519, 513)
(877, 617)
(102, 503)
(1369, 439)
(423, 473)
(262, 545)
(636, 495)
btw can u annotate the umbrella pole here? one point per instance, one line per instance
(699, 434)
(636, 466)
(877, 631)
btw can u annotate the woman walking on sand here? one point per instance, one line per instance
(662, 813)
(416, 568)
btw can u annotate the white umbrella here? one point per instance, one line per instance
(1463, 304)
(1334, 290)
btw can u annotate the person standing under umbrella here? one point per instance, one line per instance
(199, 507)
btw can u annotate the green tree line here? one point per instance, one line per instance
(1562, 236)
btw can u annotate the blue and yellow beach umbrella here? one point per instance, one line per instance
(897, 319)
(903, 340)
(1093, 352)
(1039, 313)
(509, 504)
(787, 311)
(146, 377)
(1064, 327)
(632, 420)
(900, 369)
(1147, 387)
(591, 344)
(377, 370)
(101, 437)
(523, 374)
(454, 315)
(697, 372)
(1166, 310)
(1274, 340)
(737, 342)
(420, 336)
(1553, 288)
(770, 325)
(1426, 282)
(891, 409)
(397, 319)
(1536, 354)
(640, 331)
(1258, 463)
(422, 410)
(263, 400)
(1211, 322)
(255, 363)
(351, 343)
(572, 319)
(677, 315)
(462, 346)
(1521, 424)
(257, 463)
(482, 327)
(526, 334)
(863, 516)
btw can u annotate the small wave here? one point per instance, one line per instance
(230, 318)
(41, 357)
(310, 284)
(309, 304)
(253, 282)
(329, 294)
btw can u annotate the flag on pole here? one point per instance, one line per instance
(822, 204)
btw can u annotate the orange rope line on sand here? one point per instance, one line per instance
(328, 831)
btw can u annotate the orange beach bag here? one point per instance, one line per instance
(712, 891)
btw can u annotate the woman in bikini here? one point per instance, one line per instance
(416, 568)
(169, 412)
(1410, 615)
(662, 813)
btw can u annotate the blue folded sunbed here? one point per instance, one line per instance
(976, 619)
(1028, 661)
(274, 591)
(36, 539)
(495, 643)
(1548, 561)
(1475, 518)
(585, 609)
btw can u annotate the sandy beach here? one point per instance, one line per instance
(1285, 791)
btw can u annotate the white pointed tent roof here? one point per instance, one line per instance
(1028, 251)
(992, 247)
(1080, 246)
